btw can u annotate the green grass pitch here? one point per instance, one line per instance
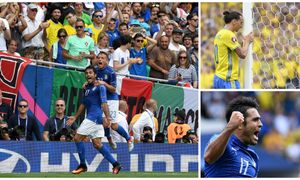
(105, 174)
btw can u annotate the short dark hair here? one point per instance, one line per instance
(90, 67)
(229, 16)
(241, 104)
(23, 100)
(137, 35)
(97, 12)
(61, 30)
(80, 20)
(125, 39)
(123, 24)
(105, 53)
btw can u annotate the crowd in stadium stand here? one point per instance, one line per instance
(280, 116)
(275, 45)
(141, 39)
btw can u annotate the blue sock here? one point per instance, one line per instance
(123, 133)
(107, 132)
(81, 151)
(104, 151)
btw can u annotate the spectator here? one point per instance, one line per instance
(98, 24)
(5, 112)
(70, 27)
(103, 45)
(29, 123)
(163, 19)
(12, 46)
(175, 45)
(178, 128)
(122, 121)
(88, 32)
(55, 124)
(161, 59)
(183, 71)
(121, 57)
(180, 9)
(4, 34)
(79, 48)
(32, 36)
(140, 52)
(187, 42)
(123, 30)
(78, 7)
(17, 25)
(192, 27)
(166, 30)
(112, 31)
(193, 54)
(54, 26)
(56, 51)
(146, 119)
(136, 10)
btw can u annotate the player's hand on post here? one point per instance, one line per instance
(106, 122)
(71, 120)
(249, 37)
(236, 119)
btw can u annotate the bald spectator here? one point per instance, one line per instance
(146, 119)
(122, 121)
(161, 59)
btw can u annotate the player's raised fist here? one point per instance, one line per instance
(236, 119)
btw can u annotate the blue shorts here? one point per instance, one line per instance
(222, 84)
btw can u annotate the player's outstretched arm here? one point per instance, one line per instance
(217, 147)
(72, 119)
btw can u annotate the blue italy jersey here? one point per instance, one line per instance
(93, 97)
(237, 161)
(109, 76)
(138, 69)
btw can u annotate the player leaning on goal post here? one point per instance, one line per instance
(227, 51)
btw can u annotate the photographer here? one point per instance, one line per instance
(24, 124)
(55, 128)
(146, 136)
(178, 128)
(5, 112)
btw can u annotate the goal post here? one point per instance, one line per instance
(248, 61)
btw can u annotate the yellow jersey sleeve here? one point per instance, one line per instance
(230, 40)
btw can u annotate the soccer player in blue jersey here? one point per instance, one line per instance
(228, 154)
(94, 101)
(107, 77)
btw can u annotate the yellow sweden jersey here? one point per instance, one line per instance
(226, 59)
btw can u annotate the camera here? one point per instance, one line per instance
(147, 138)
(64, 134)
(16, 133)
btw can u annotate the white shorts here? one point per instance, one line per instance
(113, 106)
(91, 129)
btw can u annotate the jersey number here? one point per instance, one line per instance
(216, 49)
(244, 166)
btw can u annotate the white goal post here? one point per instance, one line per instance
(248, 61)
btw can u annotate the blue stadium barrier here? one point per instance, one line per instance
(30, 156)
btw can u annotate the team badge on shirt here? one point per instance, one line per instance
(233, 39)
